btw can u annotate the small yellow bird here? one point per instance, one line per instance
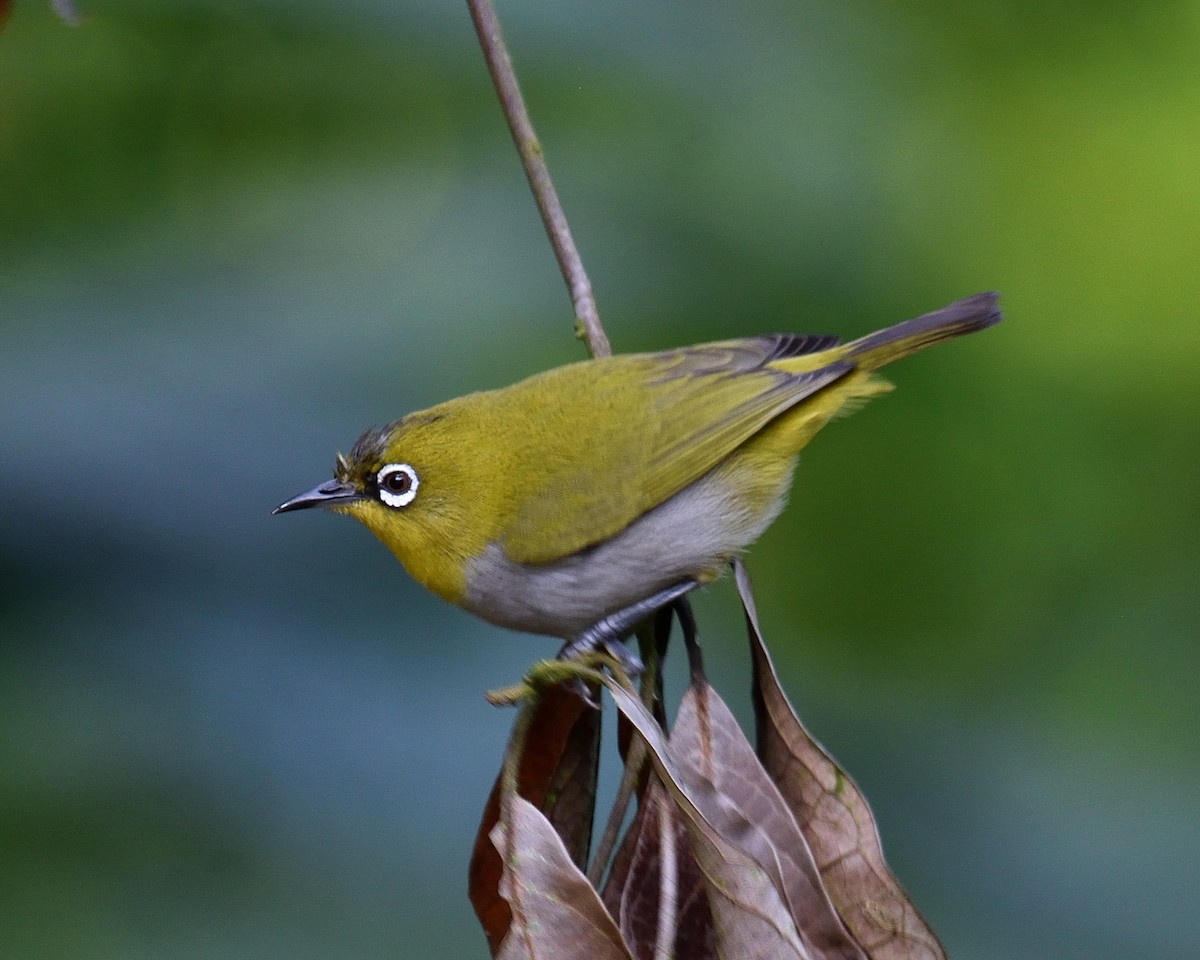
(578, 501)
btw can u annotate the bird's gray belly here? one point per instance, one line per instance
(691, 535)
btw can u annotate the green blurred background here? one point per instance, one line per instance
(234, 234)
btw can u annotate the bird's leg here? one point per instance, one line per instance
(687, 625)
(608, 633)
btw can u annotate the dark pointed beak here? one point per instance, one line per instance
(326, 495)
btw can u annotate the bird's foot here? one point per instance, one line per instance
(608, 634)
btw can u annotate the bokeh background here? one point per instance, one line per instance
(234, 234)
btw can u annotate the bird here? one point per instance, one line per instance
(579, 501)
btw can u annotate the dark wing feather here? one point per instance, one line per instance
(798, 344)
(738, 356)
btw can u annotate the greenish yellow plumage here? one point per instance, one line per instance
(571, 494)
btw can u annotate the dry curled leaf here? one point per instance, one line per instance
(750, 919)
(632, 894)
(834, 816)
(556, 914)
(709, 744)
(557, 773)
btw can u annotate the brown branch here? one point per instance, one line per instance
(587, 317)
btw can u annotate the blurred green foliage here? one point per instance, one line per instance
(235, 235)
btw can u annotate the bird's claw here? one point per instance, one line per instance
(580, 687)
(628, 661)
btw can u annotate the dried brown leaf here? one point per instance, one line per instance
(631, 892)
(834, 816)
(557, 772)
(750, 917)
(570, 798)
(556, 915)
(708, 743)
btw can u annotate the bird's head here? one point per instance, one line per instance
(405, 483)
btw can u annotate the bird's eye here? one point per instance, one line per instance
(397, 484)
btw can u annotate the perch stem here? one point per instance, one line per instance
(495, 52)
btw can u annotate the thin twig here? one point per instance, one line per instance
(587, 317)
(616, 814)
(635, 757)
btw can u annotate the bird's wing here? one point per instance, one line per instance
(629, 432)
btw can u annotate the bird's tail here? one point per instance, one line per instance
(885, 346)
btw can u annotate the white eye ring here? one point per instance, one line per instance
(397, 483)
